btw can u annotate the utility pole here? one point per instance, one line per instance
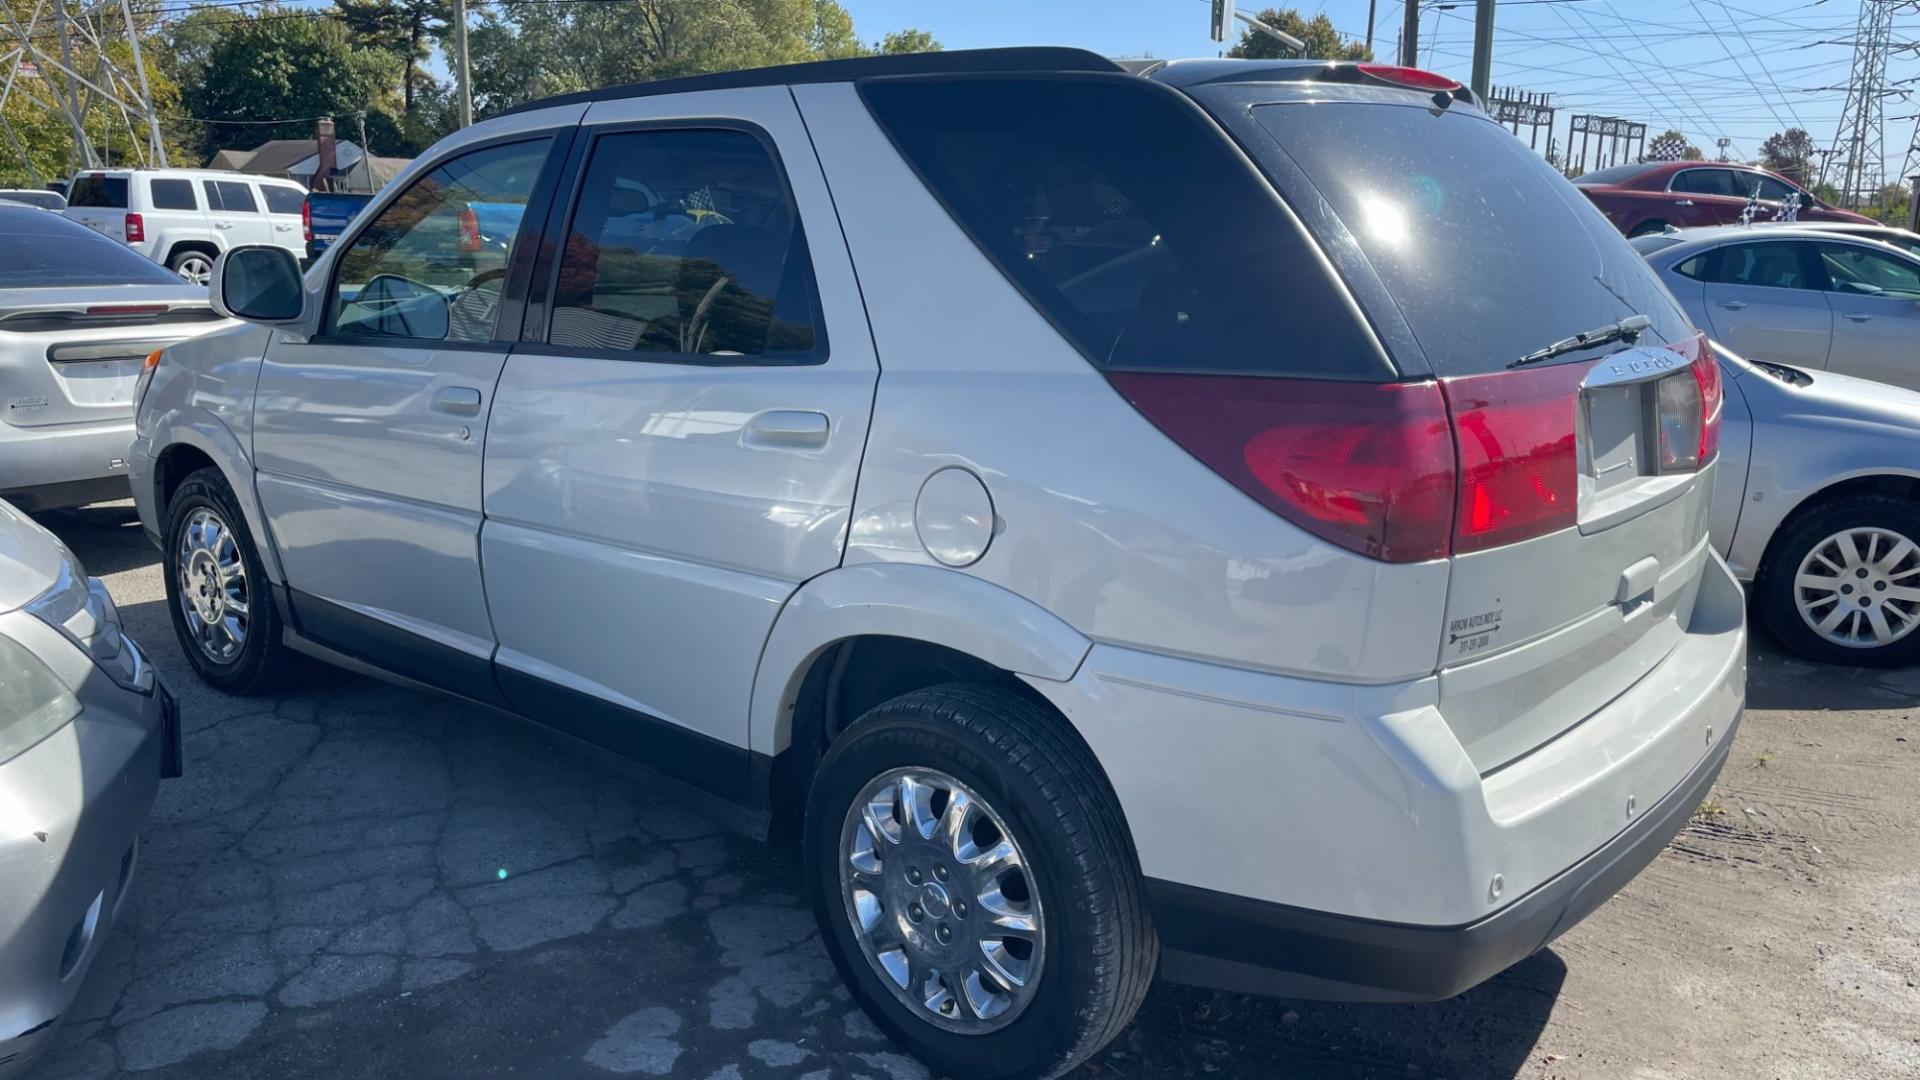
(1410, 35)
(1723, 142)
(1371, 6)
(156, 150)
(1482, 48)
(83, 147)
(1860, 140)
(462, 73)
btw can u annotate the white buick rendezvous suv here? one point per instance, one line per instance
(1243, 521)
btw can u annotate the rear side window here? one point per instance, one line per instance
(171, 195)
(1707, 182)
(1775, 265)
(107, 192)
(230, 196)
(685, 242)
(1487, 252)
(1131, 224)
(282, 200)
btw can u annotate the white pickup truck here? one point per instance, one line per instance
(184, 218)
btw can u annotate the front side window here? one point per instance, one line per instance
(235, 197)
(685, 242)
(1707, 182)
(431, 265)
(1772, 265)
(282, 200)
(1859, 271)
(172, 195)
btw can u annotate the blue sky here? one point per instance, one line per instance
(1742, 69)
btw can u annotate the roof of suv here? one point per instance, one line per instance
(959, 62)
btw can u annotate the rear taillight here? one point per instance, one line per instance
(1519, 469)
(136, 229)
(1413, 78)
(1687, 411)
(306, 219)
(1368, 466)
(1706, 372)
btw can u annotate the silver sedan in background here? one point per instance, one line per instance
(87, 732)
(1798, 294)
(1817, 505)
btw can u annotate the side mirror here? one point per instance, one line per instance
(1808, 202)
(259, 284)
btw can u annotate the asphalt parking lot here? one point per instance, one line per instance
(359, 881)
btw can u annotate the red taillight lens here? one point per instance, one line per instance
(126, 309)
(1706, 372)
(1368, 466)
(1519, 471)
(1687, 408)
(306, 219)
(136, 229)
(1414, 78)
(469, 230)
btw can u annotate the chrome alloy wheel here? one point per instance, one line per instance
(1860, 588)
(214, 593)
(942, 900)
(195, 269)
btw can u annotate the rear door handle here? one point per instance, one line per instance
(457, 400)
(1683, 202)
(223, 224)
(788, 429)
(1730, 305)
(1857, 316)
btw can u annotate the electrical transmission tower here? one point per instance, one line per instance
(1859, 144)
(59, 56)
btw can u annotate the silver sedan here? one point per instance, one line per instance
(1817, 504)
(86, 734)
(1799, 295)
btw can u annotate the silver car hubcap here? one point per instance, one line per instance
(196, 269)
(1860, 588)
(942, 900)
(214, 597)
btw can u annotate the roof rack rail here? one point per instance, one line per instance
(959, 62)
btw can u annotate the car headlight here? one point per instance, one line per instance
(34, 703)
(79, 607)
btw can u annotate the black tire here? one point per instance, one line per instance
(1100, 947)
(1777, 592)
(1647, 227)
(262, 662)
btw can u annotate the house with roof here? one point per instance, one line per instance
(299, 159)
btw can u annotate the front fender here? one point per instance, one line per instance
(924, 603)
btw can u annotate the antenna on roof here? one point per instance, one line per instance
(1224, 13)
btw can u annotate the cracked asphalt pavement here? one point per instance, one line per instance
(355, 880)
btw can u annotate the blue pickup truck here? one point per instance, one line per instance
(325, 215)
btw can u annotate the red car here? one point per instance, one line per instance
(1652, 195)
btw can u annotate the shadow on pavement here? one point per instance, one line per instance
(107, 536)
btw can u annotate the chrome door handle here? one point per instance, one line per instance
(223, 224)
(1730, 305)
(1857, 316)
(1683, 202)
(457, 400)
(788, 429)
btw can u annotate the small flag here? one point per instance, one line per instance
(1671, 148)
(1789, 208)
(1752, 208)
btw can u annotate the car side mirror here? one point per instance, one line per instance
(1808, 202)
(258, 283)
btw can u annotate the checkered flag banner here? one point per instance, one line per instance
(1752, 208)
(1789, 208)
(1672, 148)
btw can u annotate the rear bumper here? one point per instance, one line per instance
(62, 464)
(1234, 943)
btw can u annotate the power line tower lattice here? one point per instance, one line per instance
(1859, 143)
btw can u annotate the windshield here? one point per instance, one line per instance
(1487, 252)
(39, 250)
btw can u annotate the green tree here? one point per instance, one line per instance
(1323, 41)
(1789, 153)
(404, 28)
(287, 70)
(906, 41)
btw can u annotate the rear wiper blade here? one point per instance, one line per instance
(1628, 329)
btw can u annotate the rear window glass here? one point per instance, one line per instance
(282, 200)
(1488, 253)
(109, 192)
(40, 250)
(172, 195)
(45, 200)
(1130, 223)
